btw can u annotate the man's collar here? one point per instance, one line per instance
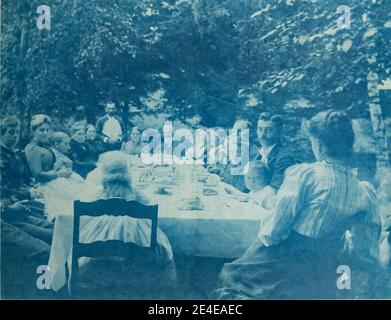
(266, 150)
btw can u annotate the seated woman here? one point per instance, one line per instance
(93, 145)
(82, 164)
(134, 146)
(55, 185)
(40, 158)
(299, 244)
(116, 182)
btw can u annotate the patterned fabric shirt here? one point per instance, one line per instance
(315, 199)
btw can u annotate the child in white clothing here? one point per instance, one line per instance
(60, 147)
(257, 181)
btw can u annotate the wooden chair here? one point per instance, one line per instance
(97, 249)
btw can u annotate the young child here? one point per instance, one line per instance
(60, 193)
(60, 142)
(257, 181)
(60, 147)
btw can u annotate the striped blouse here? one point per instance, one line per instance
(315, 199)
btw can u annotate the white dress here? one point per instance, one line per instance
(138, 231)
(59, 194)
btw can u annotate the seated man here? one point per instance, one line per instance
(14, 190)
(25, 234)
(272, 154)
(15, 177)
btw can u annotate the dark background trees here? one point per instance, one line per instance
(217, 60)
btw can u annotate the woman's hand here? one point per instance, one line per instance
(64, 173)
(35, 194)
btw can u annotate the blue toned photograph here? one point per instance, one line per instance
(219, 150)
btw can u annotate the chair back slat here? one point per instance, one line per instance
(112, 207)
(116, 207)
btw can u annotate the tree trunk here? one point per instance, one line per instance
(377, 119)
(21, 85)
(373, 81)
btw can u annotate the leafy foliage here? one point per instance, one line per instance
(216, 60)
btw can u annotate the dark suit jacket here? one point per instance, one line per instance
(94, 149)
(15, 175)
(80, 157)
(278, 161)
(100, 123)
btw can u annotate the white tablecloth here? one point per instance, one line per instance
(225, 228)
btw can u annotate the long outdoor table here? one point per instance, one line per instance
(225, 228)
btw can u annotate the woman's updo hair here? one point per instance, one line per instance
(333, 128)
(38, 120)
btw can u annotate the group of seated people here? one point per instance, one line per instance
(321, 216)
(311, 205)
(42, 181)
(87, 142)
